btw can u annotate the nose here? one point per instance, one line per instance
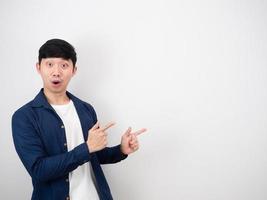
(56, 71)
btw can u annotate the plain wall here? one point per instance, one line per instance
(193, 72)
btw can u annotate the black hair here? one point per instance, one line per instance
(57, 48)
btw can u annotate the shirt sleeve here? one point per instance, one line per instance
(34, 157)
(110, 155)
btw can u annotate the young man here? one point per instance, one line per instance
(58, 138)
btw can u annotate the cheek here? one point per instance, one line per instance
(44, 72)
(45, 76)
(68, 77)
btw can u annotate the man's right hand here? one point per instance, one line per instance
(97, 137)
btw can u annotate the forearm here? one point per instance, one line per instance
(52, 167)
(110, 155)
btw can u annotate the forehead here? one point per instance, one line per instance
(56, 60)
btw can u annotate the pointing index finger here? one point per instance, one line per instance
(110, 124)
(140, 131)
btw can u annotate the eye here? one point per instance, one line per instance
(64, 65)
(49, 64)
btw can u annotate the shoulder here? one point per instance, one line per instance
(24, 111)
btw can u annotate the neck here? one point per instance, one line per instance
(60, 98)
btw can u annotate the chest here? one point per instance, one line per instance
(55, 132)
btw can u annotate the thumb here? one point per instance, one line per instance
(96, 126)
(127, 133)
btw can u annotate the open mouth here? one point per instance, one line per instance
(56, 82)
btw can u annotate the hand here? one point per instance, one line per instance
(97, 137)
(129, 141)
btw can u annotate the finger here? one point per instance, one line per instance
(104, 134)
(127, 133)
(96, 126)
(133, 144)
(133, 139)
(140, 131)
(133, 136)
(107, 126)
(135, 148)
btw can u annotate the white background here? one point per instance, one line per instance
(193, 72)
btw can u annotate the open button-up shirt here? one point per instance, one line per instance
(40, 141)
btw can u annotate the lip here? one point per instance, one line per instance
(56, 83)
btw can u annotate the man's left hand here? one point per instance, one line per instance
(129, 141)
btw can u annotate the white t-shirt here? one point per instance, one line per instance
(81, 180)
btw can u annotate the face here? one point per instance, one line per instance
(56, 74)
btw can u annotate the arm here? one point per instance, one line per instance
(106, 155)
(97, 142)
(110, 155)
(31, 151)
(129, 144)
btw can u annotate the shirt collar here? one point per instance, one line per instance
(41, 101)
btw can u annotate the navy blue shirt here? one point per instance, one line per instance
(40, 141)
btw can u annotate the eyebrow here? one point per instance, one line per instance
(61, 61)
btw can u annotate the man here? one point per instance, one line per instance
(58, 138)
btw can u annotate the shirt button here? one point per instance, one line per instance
(67, 180)
(67, 198)
(62, 126)
(65, 144)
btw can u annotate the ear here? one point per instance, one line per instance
(74, 70)
(38, 68)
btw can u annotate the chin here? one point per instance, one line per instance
(57, 90)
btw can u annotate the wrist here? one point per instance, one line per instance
(122, 151)
(89, 147)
